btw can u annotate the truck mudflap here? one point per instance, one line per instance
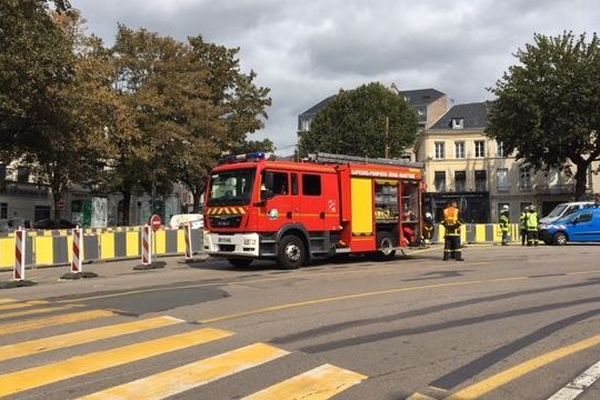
(232, 245)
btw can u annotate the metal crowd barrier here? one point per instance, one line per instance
(98, 245)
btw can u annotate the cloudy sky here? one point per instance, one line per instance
(306, 51)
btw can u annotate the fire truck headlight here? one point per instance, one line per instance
(249, 242)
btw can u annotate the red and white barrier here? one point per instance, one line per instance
(20, 254)
(146, 245)
(189, 252)
(77, 260)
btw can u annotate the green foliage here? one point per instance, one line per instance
(142, 115)
(354, 124)
(53, 95)
(251, 146)
(190, 103)
(548, 105)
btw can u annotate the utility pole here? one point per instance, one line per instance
(387, 136)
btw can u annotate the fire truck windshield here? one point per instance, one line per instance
(231, 188)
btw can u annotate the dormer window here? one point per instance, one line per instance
(458, 123)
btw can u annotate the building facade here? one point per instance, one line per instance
(463, 164)
(23, 202)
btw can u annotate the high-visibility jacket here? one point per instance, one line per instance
(532, 221)
(452, 221)
(523, 220)
(504, 222)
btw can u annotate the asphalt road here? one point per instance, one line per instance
(508, 323)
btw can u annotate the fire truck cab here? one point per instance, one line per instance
(293, 211)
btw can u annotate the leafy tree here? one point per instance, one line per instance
(191, 104)
(52, 94)
(548, 105)
(251, 146)
(355, 122)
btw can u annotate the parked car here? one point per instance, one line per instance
(581, 226)
(179, 220)
(563, 210)
(52, 224)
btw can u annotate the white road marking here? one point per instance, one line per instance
(578, 385)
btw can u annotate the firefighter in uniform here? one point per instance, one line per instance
(428, 229)
(452, 238)
(523, 226)
(504, 224)
(532, 226)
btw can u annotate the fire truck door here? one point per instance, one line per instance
(280, 205)
(319, 202)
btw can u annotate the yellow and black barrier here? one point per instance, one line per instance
(51, 250)
(479, 233)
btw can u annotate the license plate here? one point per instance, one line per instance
(224, 240)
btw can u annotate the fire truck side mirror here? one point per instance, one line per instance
(266, 194)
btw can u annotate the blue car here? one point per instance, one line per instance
(582, 226)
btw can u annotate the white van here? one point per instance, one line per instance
(564, 209)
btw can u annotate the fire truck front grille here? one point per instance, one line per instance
(227, 247)
(226, 222)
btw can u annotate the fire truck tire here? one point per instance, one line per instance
(240, 262)
(291, 252)
(385, 242)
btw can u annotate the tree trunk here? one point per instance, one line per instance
(197, 191)
(56, 199)
(126, 206)
(581, 180)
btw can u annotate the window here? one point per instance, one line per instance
(231, 188)
(524, 205)
(458, 123)
(480, 181)
(311, 185)
(479, 148)
(459, 148)
(2, 172)
(587, 217)
(460, 181)
(305, 124)
(440, 181)
(525, 179)
(274, 183)
(23, 174)
(41, 212)
(440, 151)
(295, 188)
(502, 183)
(3, 210)
(502, 150)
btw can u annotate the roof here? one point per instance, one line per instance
(319, 106)
(414, 97)
(422, 96)
(475, 116)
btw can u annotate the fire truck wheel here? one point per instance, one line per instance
(385, 242)
(240, 262)
(291, 252)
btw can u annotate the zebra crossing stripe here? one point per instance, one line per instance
(14, 306)
(20, 381)
(36, 311)
(190, 376)
(32, 347)
(41, 323)
(320, 383)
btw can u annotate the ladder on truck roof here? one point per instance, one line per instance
(329, 158)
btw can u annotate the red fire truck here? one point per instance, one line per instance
(292, 212)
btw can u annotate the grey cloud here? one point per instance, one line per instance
(305, 51)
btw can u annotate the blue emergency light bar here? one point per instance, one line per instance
(255, 156)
